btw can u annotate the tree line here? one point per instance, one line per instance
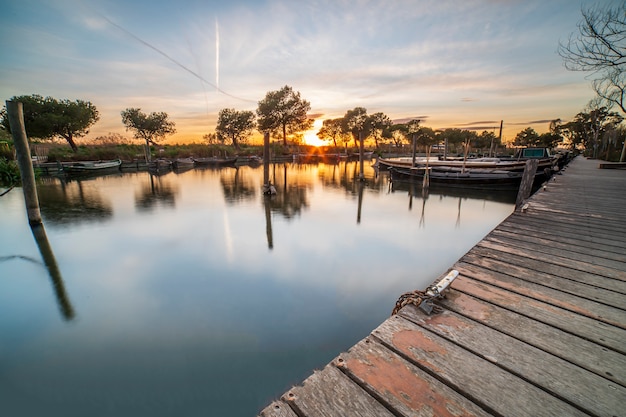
(599, 48)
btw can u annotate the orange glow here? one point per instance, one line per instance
(310, 136)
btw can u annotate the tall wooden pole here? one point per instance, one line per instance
(15, 111)
(361, 157)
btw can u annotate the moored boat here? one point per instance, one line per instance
(92, 167)
(183, 163)
(214, 161)
(478, 177)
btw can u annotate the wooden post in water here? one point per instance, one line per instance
(15, 111)
(527, 182)
(361, 157)
(268, 188)
(414, 150)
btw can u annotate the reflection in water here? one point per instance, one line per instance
(233, 298)
(237, 185)
(361, 185)
(39, 233)
(268, 221)
(74, 202)
(156, 191)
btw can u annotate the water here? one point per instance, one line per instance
(193, 294)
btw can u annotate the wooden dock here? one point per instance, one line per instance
(534, 325)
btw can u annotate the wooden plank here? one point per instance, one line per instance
(581, 265)
(549, 210)
(488, 385)
(277, 409)
(555, 227)
(591, 309)
(566, 285)
(403, 387)
(604, 334)
(584, 353)
(556, 233)
(329, 393)
(529, 245)
(612, 165)
(555, 266)
(577, 386)
(545, 239)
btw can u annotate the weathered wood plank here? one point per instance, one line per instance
(556, 228)
(329, 393)
(584, 353)
(604, 334)
(548, 211)
(567, 285)
(543, 266)
(538, 255)
(585, 307)
(599, 242)
(542, 239)
(520, 242)
(278, 409)
(405, 388)
(586, 390)
(493, 388)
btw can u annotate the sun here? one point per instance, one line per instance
(310, 136)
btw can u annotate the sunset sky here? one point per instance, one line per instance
(450, 63)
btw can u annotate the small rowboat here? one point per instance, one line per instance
(92, 167)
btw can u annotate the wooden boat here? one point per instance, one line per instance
(516, 163)
(92, 167)
(478, 177)
(183, 163)
(160, 165)
(214, 161)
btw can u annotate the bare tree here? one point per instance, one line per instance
(600, 48)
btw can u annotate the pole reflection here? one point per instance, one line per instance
(50, 262)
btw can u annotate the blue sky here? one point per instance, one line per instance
(450, 63)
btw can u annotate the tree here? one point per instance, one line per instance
(454, 137)
(49, 118)
(357, 123)
(283, 112)
(331, 131)
(600, 48)
(149, 127)
(381, 127)
(527, 137)
(588, 127)
(235, 125)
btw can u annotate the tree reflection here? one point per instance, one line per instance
(291, 197)
(237, 185)
(155, 191)
(74, 202)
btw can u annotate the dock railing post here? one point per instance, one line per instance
(528, 177)
(15, 111)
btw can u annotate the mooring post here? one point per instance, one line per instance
(361, 157)
(15, 111)
(528, 177)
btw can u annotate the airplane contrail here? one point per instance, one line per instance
(137, 38)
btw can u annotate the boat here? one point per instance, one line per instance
(214, 161)
(92, 167)
(547, 162)
(160, 165)
(183, 163)
(475, 178)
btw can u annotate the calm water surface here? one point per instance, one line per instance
(191, 294)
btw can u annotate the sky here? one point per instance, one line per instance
(449, 63)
